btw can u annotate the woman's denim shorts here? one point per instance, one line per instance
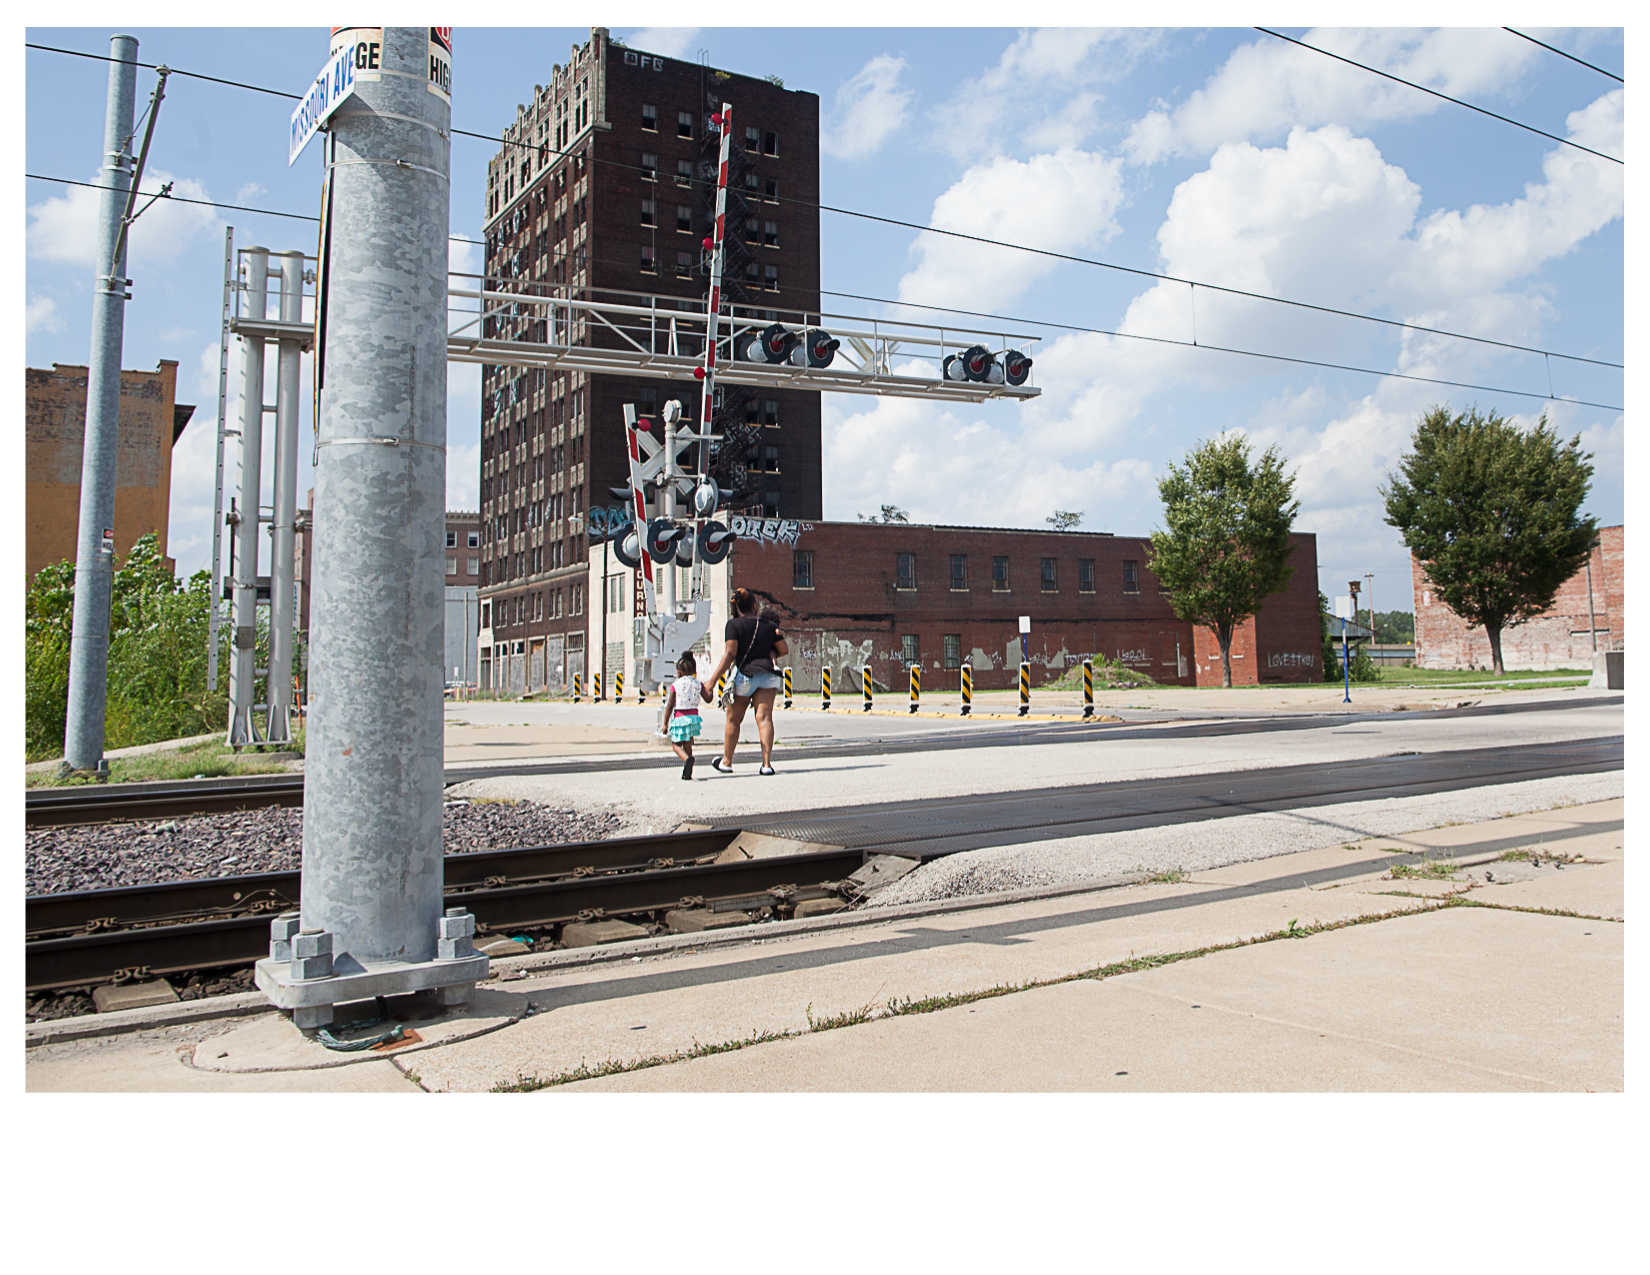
(744, 687)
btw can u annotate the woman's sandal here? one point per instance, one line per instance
(766, 770)
(719, 768)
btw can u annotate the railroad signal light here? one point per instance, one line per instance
(771, 345)
(662, 535)
(1016, 367)
(714, 542)
(708, 243)
(817, 350)
(973, 364)
(628, 549)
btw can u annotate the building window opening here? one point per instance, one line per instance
(1050, 585)
(802, 568)
(753, 140)
(908, 650)
(953, 650)
(770, 144)
(684, 124)
(959, 572)
(999, 575)
(1085, 575)
(1131, 576)
(650, 167)
(905, 571)
(650, 118)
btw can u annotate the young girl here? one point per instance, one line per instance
(682, 710)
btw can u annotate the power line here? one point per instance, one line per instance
(1445, 96)
(1561, 53)
(179, 199)
(156, 66)
(1203, 345)
(1070, 327)
(1043, 252)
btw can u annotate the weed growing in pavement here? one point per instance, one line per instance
(1430, 870)
(1174, 876)
(847, 1018)
(615, 1066)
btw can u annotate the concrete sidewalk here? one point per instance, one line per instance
(1448, 980)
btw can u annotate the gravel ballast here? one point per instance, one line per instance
(101, 856)
(1214, 843)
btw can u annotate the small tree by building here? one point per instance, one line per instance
(1493, 514)
(1226, 547)
(1065, 519)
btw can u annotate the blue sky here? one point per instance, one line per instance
(1222, 155)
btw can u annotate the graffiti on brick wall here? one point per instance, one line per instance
(1137, 656)
(1291, 659)
(767, 531)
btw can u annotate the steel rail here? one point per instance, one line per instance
(77, 960)
(89, 911)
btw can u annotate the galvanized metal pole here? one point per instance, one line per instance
(372, 857)
(243, 729)
(217, 487)
(284, 507)
(95, 544)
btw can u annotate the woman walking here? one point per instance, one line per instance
(682, 710)
(751, 643)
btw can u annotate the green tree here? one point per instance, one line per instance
(1065, 519)
(1493, 514)
(1227, 543)
(1394, 627)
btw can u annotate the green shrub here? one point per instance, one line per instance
(157, 655)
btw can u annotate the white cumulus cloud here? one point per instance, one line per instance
(1268, 87)
(1062, 202)
(63, 228)
(40, 315)
(870, 108)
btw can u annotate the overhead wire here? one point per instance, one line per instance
(545, 148)
(999, 243)
(1396, 79)
(1561, 53)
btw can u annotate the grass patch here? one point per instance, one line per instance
(1174, 876)
(1421, 678)
(211, 759)
(1537, 855)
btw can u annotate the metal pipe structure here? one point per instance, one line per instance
(217, 486)
(95, 542)
(284, 513)
(372, 921)
(243, 728)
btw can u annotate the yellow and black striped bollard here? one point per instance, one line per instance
(865, 685)
(787, 686)
(618, 687)
(721, 687)
(825, 688)
(577, 689)
(1088, 689)
(967, 689)
(596, 686)
(1025, 687)
(916, 686)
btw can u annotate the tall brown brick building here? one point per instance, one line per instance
(604, 189)
(151, 421)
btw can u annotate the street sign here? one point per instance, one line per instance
(335, 82)
(1343, 608)
(1025, 624)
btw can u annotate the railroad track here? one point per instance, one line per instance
(109, 803)
(94, 936)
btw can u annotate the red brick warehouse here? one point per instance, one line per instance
(890, 595)
(1589, 613)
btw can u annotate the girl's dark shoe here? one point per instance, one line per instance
(687, 769)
